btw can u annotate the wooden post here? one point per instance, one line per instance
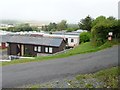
(22, 50)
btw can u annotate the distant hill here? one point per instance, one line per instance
(73, 26)
(37, 23)
(10, 21)
(32, 22)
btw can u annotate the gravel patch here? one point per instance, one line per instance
(70, 82)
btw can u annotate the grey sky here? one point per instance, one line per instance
(56, 10)
(119, 10)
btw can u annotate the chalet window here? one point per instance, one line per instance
(50, 49)
(46, 49)
(72, 40)
(39, 48)
(35, 48)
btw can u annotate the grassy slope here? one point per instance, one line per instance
(83, 48)
(108, 78)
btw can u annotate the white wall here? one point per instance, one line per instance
(75, 41)
(71, 44)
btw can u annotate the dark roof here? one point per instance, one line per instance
(4, 38)
(36, 40)
(59, 32)
(72, 33)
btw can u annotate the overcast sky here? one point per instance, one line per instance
(56, 10)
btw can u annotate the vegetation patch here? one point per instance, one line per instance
(81, 49)
(101, 27)
(107, 78)
(85, 37)
(97, 34)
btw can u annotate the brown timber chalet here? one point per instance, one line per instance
(33, 46)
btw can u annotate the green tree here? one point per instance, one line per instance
(99, 19)
(45, 28)
(62, 25)
(52, 27)
(111, 18)
(86, 24)
(23, 27)
(101, 29)
(34, 28)
(72, 27)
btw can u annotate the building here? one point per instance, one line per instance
(34, 46)
(59, 32)
(3, 41)
(6, 26)
(71, 40)
(4, 36)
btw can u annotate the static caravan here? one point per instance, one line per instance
(71, 40)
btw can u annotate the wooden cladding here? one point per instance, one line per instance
(33, 50)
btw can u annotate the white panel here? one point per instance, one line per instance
(50, 49)
(46, 49)
(35, 48)
(39, 49)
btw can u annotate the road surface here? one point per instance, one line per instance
(39, 72)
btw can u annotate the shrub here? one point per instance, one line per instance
(100, 31)
(85, 37)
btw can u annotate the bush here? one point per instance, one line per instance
(71, 29)
(85, 37)
(100, 31)
(97, 37)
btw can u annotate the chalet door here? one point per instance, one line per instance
(18, 49)
(27, 51)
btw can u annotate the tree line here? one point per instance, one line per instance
(86, 23)
(99, 28)
(52, 26)
(62, 25)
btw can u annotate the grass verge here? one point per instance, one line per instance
(83, 48)
(107, 78)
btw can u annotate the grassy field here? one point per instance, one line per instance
(82, 48)
(107, 78)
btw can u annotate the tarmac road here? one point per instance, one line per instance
(39, 72)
